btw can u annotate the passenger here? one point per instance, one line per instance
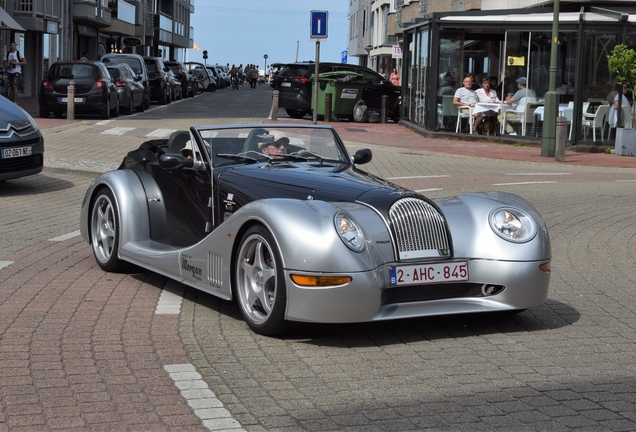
(274, 143)
(520, 98)
(487, 95)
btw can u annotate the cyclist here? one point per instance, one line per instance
(234, 77)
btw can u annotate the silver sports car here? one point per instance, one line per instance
(281, 219)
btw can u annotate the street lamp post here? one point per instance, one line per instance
(548, 140)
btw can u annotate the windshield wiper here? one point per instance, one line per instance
(243, 156)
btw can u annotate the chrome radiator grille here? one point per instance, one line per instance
(419, 229)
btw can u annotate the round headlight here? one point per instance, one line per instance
(513, 225)
(349, 232)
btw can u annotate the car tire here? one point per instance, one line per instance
(295, 113)
(142, 106)
(129, 109)
(104, 226)
(105, 112)
(163, 98)
(260, 282)
(44, 113)
(115, 111)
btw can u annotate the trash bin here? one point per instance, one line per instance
(346, 89)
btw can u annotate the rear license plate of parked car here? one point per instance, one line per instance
(16, 152)
(285, 84)
(429, 273)
(76, 100)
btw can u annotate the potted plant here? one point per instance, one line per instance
(622, 62)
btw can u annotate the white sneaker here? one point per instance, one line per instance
(512, 133)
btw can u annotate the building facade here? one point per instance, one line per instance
(52, 30)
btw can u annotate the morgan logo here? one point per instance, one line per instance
(189, 268)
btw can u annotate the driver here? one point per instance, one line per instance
(274, 143)
(186, 151)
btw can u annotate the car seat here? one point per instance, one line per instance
(177, 141)
(251, 142)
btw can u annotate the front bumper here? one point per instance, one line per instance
(525, 285)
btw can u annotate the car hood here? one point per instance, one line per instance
(304, 180)
(15, 123)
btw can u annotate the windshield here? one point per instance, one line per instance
(273, 143)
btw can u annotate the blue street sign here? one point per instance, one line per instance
(318, 21)
(343, 59)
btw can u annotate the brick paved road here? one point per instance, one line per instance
(81, 349)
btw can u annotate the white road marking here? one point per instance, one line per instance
(117, 131)
(103, 122)
(160, 133)
(416, 177)
(522, 183)
(243, 135)
(200, 398)
(170, 300)
(625, 181)
(4, 264)
(429, 190)
(65, 236)
(536, 174)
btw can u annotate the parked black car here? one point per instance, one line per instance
(158, 80)
(185, 78)
(295, 88)
(21, 143)
(129, 87)
(95, 91)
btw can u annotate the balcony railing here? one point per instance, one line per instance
(38, 8)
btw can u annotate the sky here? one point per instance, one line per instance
(243, 31)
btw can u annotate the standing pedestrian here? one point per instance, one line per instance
(13, 63)
(395, 77)
(253, 76)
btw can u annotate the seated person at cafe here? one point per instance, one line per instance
(485, 95)
(465, 96)
(449, 87)
(520, 98)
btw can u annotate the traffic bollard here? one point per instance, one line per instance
(327, 107)
(561, 134)
(70, 102)
(274, 115)
(385, 102)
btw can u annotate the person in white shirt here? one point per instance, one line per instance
(465, 96)
(485, 94)
(13, 63)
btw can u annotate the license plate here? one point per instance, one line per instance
(76, 100)
(429, 273)
(16, 152)
(285, 84)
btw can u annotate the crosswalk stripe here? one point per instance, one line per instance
(160, 133)
(117, 131)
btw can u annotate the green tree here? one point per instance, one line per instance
(622, 62)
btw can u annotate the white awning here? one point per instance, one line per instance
(564, 17)
(6, 22)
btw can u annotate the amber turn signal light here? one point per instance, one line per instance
(545, 267)
(320, 281)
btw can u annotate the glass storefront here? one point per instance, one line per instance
(583, 82)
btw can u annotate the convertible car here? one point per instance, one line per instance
(281, 219)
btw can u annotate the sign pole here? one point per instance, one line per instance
(315, 97)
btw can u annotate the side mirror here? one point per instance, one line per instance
(362, 156)
(175, 162)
